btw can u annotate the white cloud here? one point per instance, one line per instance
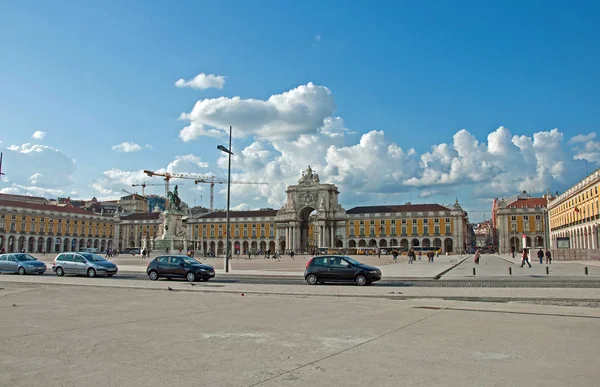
(148, 146)
(34, 169)
(186, 164)
(127, 147)
(318, 37)
(241, 207)
(302, 110)
(38, 135)
(202, 81)
(582, 138)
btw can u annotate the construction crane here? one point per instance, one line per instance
(144, 185)
(168, 176)
(127, 192)
(1, 174)
(214, 180)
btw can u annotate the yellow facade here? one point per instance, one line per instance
(535, 223)
(587, 202)
(19, 223)
(394, 227)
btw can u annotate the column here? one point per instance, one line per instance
(332, 240)
(321, 236)
(287, 237)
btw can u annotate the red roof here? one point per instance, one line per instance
(528, 203)
(141, 216)
(45, 207)
(241, 214)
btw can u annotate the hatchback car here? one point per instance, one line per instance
(179, 266)
(339, 268)
(21, 263)
(88, 264)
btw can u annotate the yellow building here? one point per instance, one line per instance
(34, 226)
(521, 218)
(575, 216)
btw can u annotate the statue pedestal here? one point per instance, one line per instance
(174, 234)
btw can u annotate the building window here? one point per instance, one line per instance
(447, 220)
(372, 231)
(403, 221)
(31, 227)
(525, 218)
(351, 223)
(414, 230)
(362, 231)
(23, 218)
(254, 226)
(361, 222)
(212, 233)
(414, 221)
(393, 221)
(538, 227)
(447, 228)
(22, 226)
(262, 225)
(436, 220)
(513, 218)
(371, 222)
(254, 233)
(382, 221)
(245, 233)
(13, 227)
(436, 229)
(538, 217)
(403, 230)
(271, 233)
(393, 230)
(426, 230)
(13, 217)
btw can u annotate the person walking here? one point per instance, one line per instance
(525, 258)
(411, 256)
(476, 257)
(548, 257)
(540, 255)
(419, 255)
(395, 256)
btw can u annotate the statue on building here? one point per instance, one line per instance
(308, 177)
(174, 201)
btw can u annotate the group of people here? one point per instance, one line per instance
(412, 256)
(540, 254)
(111, 253)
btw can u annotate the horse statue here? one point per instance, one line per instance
(174, 201)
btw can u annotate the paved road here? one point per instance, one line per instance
(475, 282)
(54, 336)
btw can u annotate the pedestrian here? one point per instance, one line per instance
(292, 254)
(540, 255)
(411, 256)
(379, 253)
(525, 258)
(419, 255)
(395, 256)
(476, 257)
(548, 257)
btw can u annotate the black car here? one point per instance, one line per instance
(179, 266)
(339, 268)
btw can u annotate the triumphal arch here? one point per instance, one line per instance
(311, 216)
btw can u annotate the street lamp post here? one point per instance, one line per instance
(229, 152)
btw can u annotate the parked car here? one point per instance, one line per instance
(21, 263)
(339, 268)
(179, 266)
(88, 264)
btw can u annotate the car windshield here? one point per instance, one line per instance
(24, 257)
(93, 257)
(191, 261)
(352, 261)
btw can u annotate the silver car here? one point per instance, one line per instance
(21, 263)
(82, 263)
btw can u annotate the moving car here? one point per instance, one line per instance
(88, 264)
(339, 268)
(179, 266)
(21, 263)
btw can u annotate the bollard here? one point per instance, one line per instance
(474, 270)
(586, 270)
(547, 270)
(509, 270)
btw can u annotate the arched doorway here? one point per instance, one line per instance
(272, 247)
(245, 246)
(21, 243)
(66, 244)
(539, 241)
(426, 242)
(282, 247)
(528, 241)
(57, 244)
(352, 244)
(31, 244)
(339, 243)
(415, 243)
(307, 218)
(448, 245)
(49, 244)
(2, 243)
(394, 242)
(82, 244)
(437, 243)
(96, 244)
(263, 246)
(103, 245)
(254, 246)
(372, 243)
(213, 247)
(110, 244)
(362, 243)
(236, 247)
(11, 244)
(404, 244)
(89, 243)
(220, 247)
(131, 243)
(515, 244)
(40, 245)
(383, 243)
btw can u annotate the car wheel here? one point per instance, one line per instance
(91, 273)
(22, 270)
(361, 280)
(312, 279)
(60, 272)
(153, 275)
(191, 277)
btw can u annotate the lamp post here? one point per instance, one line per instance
(229, 152)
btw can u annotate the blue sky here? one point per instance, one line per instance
(92, 75)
